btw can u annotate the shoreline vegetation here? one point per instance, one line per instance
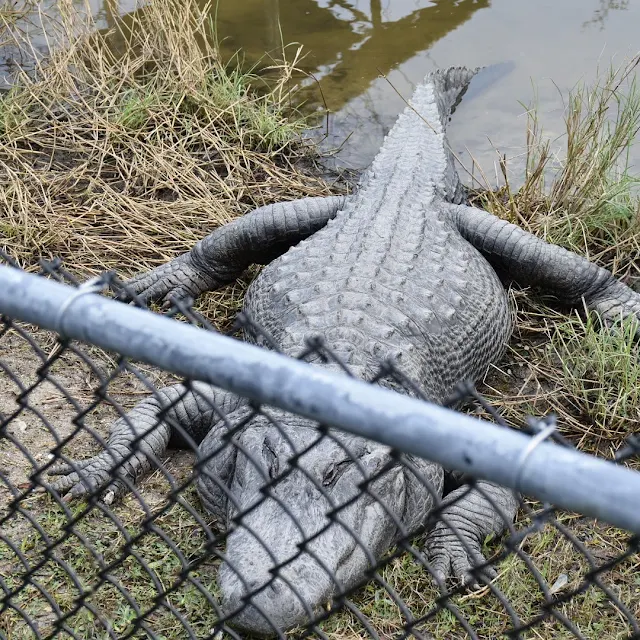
(122, 157)
(125, 148)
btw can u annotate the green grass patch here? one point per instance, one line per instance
(599, 381)
(107, 580)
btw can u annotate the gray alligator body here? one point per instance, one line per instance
(402, 269)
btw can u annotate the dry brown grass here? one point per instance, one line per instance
(121, 160)
(11, 12)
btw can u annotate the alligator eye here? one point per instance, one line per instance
(271, 459)
(334, 472)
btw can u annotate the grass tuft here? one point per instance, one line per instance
(588, 203)
(597, 374)
(126, 147)
(586, 200)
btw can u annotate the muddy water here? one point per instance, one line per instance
(34, 32)
(365, 56)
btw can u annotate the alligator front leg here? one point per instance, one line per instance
(222, 256)
(531, 261)
(140, 438)
(454, 547)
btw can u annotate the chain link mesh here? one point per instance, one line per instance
(146, 565)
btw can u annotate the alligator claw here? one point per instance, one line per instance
(176, 279)
(615, 306)
(87, 477)
(614, 315)
(450, 557)
(114, 491)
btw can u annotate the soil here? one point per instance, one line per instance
(41, 406)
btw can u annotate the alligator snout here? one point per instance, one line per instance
(286, 557)
(268, 605)
(271, 578)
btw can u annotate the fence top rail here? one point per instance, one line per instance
(548, 472)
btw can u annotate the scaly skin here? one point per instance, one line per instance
(221, 257)
(400, 269)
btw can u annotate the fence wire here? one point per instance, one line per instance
(151, 559)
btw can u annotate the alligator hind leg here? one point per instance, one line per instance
(529, 260)
(222, 256)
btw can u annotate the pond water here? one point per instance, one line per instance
(365, 56)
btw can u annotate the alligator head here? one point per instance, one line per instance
(268, 578)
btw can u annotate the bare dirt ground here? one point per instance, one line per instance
(41, 408)
(45, 404)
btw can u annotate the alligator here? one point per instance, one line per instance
(402, 269)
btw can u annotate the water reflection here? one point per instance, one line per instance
(33, 33)
(364, 58)
(367, 55)
(350, 43)
(601, 14)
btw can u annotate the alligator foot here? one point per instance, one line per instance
(135, 441)
(617, 304)
(222, 256)
(99, 473)
(454, 548)
(177, 279)
(457, 556)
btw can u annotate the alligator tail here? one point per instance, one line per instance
(450, 86)
(417, 141)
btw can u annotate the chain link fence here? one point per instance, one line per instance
(282, 525)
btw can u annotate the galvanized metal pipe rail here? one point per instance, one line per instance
(551, 473)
